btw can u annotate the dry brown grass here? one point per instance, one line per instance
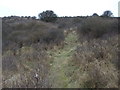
(19, 70)
(97, 60)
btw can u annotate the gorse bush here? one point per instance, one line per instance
(97, 59)
(95, 27)
(54, 36)
(30, 33)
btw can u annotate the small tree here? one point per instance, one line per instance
(48, 16)
(107, 13)
(95, 14)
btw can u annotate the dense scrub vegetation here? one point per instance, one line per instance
(25, 43)
(95, 27)
(97, 55)
(27, 33)
(80, 52)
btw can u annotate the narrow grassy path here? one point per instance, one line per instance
(60, 69)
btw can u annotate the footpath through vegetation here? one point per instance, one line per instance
(60, 69)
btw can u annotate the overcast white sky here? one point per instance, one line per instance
(60, 7)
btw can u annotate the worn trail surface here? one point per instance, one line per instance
(60, 69)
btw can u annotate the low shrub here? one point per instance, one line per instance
(97, 59)
(95, 27)
(29, 32)
(62, 25)
(54, 36)
(20, 70)
(9, 63)
(77, 20)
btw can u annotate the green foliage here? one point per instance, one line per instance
(48, 16)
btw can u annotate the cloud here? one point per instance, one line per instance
(60, 7)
